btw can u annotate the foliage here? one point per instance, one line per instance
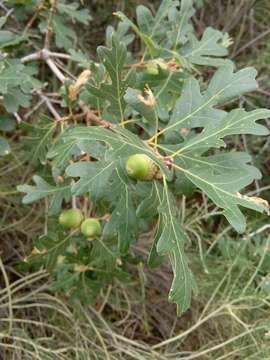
(116, 108)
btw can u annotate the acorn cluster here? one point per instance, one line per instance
(73, 218)
(138, 167)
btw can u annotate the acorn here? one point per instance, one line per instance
(152, 66)
(71, 218)
(91, 228)
(141, 167)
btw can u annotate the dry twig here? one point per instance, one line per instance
(49, 29)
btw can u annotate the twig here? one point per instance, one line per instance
(59, 55)
(49, 105)
(261, 189)
(8, 12)
(3, 7)
(31, 57)
(44, 54)
(34, 17)
(49, 29)
(63, 68)
(256, 232)
(47, 56)
(139, 65)
(51, 108)
(73, 198)
(90, 116)
(27, 115)
(259, 37)
(17, 117)
(73, 117)
(55, 70)
(264, 92)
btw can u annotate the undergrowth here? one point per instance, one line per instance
(133, 320)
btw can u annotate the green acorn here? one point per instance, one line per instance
(152, 66)
(141, 167)
(91, 228)
(71, 218)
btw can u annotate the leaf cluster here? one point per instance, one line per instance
(172, 115)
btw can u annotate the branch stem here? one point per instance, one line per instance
(49, 105)
(49, 29)
(44, 54)
(55, 70)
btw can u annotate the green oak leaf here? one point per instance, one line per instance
(7, 123)
(16, 84)
(73, 12)
(149, 205)
(93, 177)
(123, 222)
(237, 121)
(208, 50)
(48, 247)
(122, 33)
(42, 189)
(121, 142)
(194, 109)
(149, 24)
(221, 177)
(166, 87)
(13, 74)
(113, 92)
(138, 102)
(8, 38)
(180, 25)
(38, 138)
(153, 48)
(171, 241)
(144, 104)
(170, 33)
(64, 36)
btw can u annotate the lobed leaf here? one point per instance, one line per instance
(42, 189)
(171, 241)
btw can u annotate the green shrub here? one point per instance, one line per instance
(114, 109)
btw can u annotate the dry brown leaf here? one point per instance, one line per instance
(36, 251)
(74, 89)
(173, 65)
(81, 267)
(255, 199)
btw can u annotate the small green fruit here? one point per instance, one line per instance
(141, 167)
(71, 218)
(91, 228)
(152, 67)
